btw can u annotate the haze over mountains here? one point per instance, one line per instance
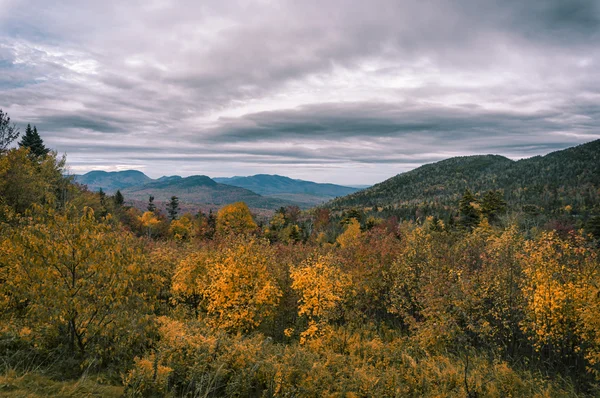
(260, 191)
(542, 182)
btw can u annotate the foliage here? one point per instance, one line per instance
(235, 219)
(24, 182)
(73, 280)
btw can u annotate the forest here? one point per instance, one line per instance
(98, 298)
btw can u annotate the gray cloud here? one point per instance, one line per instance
(339, 90)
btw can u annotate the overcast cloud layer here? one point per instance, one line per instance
(350, 92)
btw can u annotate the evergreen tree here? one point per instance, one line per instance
(173, 207)
(103, 210)
(469, 211)
(34, 142)
(8, 132)
(119, 199)
(212, 224)
(151, 206)
(492, 205)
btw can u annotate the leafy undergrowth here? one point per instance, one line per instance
(35, 384)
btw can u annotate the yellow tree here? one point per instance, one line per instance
(235, 219)
(560, 274)
(69, 276)
(322, 287)
(24, 181)
(351, 235)
(149, 221)
(234, 285)
(182, 228)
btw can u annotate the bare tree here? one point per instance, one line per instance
(8, 132)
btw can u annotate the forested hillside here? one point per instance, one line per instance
(542, 185)
(101, 299)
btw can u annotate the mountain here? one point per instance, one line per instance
(304, 192)
(111, 181)
(538, 184)
(200, 189)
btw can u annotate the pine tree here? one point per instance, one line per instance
(492, 205)
(103, 210)
(173, 207)
(119, 199)
(34, 142)
(8, 132)
(151, 206)
(469, 211)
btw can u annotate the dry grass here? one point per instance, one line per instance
(34, 385)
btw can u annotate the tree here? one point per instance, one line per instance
(149, 221)
(469, 211)
(23, 182)
(119, 199)
(322, 287)
(173, 207)
(492, 205)
(8, 132)
(235, 218)
(151, 206)
(75, 280)
(351, 235)
(33, 142)
(181, 229)
(103, 210)
(242, 291)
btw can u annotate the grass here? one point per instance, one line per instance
(35, 384)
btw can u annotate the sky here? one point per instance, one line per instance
(350, 92)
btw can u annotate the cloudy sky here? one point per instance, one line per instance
(351, 92)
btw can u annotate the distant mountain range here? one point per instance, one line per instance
(538, 184)
(260, 191)
(111, 181)
(304, 192)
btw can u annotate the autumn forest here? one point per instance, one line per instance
(472, 284)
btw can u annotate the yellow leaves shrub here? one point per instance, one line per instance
(181, 229)
(560, 274)
(73, 279)
(322, 287)
(235, 285)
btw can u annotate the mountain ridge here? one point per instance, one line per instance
(557, 179)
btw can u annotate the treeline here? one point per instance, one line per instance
(305, 305)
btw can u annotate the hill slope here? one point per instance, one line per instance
(111, 181)
(300, 191)
(570, 176)
(200, 190)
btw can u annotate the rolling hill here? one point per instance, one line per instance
(201, 190)
(111, 181)
(542, 183)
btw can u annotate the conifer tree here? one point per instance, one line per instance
(151, 206)
(492, 205)
(173, 207)
(119, 199)
(469, 211)
(33, 142)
